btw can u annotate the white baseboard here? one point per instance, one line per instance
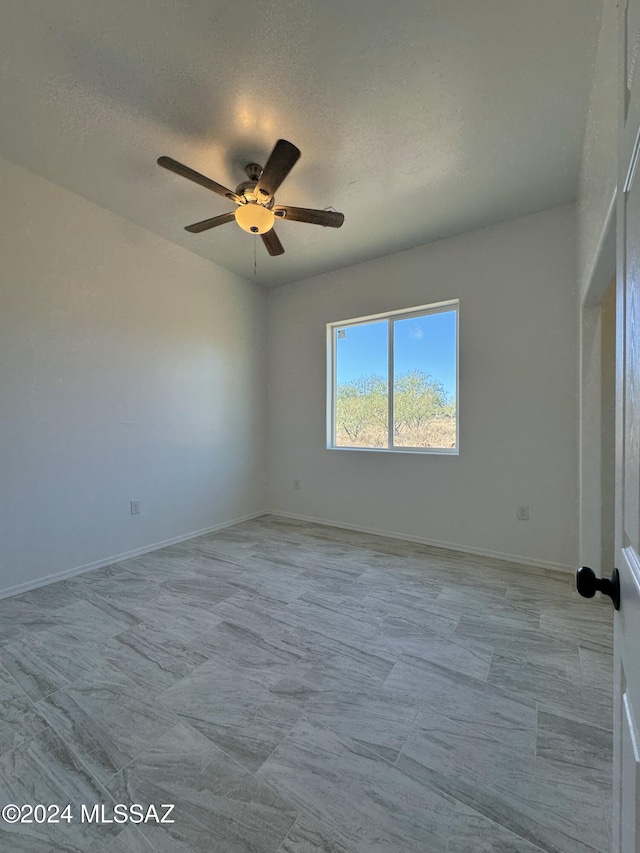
(389, 534)
(436, 543)
(118, 558)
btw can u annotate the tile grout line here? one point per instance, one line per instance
(477, 808)
(293, 826)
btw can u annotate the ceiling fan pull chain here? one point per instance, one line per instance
(255, 255)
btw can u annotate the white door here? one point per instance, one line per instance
(626, 724)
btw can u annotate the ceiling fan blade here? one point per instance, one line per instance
(272, 242)
(281, 160)
(185, 172)
(197, 227)
(328, 218)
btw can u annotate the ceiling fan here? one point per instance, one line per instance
(256, 211)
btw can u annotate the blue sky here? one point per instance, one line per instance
(421, 343)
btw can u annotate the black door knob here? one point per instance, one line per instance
(588, 584)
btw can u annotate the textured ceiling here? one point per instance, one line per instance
(418, 119)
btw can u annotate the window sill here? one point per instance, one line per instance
(431, 451)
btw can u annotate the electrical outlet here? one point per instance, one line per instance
(522, 513)
(296, 484)
(136, 507)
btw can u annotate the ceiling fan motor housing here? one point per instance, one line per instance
(247, 191)
(254, 215)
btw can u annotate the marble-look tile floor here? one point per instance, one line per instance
(295, 688)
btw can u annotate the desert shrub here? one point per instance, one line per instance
(424, 415)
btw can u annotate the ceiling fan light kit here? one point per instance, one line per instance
(255, 198)
(254, 217)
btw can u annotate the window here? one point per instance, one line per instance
(393, 381)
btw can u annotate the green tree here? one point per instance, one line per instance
(361, 404)
(417, 399)
(424, 415)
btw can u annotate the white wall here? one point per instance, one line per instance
(129, 369)
(518, 381)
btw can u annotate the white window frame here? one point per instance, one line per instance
(391, 316)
